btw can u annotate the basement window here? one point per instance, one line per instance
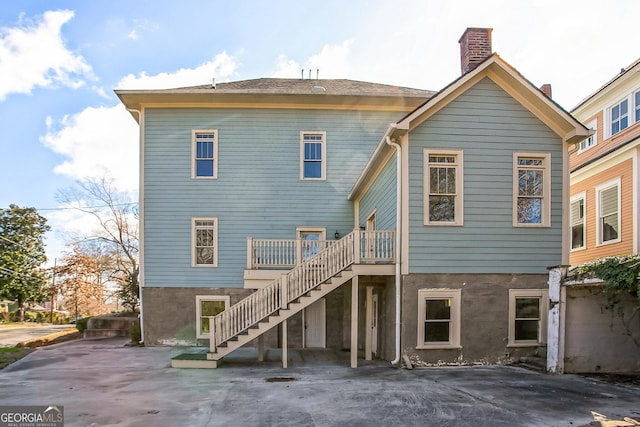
(527, 317)
(438, 318)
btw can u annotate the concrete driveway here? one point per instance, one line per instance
(104, 383)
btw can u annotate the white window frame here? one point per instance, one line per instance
(455, 296)
(194, 228)
(635, 97)
(194, 159)
(199, 299)
(599, 189)
(543, 296)
(459, 195)
(630, 108)
(576, 198)
(323, 166)
(546, 186)
(592, 140)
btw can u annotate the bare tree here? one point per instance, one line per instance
(81, 282)
(116, 231)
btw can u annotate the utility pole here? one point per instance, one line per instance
(53, 290)
(75, 291)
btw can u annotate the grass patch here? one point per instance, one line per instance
(8, 355)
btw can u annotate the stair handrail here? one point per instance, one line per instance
(288, 287)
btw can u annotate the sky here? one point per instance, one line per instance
(60, 61)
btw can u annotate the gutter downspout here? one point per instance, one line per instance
(395, 361)
(141, 206)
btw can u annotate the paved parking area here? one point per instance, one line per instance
(104, 383)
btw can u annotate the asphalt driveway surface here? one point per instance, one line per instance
(11, 336)
(104, 383)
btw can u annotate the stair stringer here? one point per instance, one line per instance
(275, 319)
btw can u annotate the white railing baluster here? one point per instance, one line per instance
(334, 256)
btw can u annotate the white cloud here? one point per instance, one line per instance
(221, 67)
(286, 68)
(35, 55)
(101, 140)
(332, 62)
(97, 141)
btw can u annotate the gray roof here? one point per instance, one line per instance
(306, 86)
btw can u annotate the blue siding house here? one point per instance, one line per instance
(300, 213)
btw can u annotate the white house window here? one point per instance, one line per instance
(592, 140)
(577, 219)
(531, 182)
(205, 154)
(438, 318)
(443, 187)
(208, 305)
(619, 116)
(313, 153)
(636, 97)
(608, 225)
(527, 317)
(205, 242)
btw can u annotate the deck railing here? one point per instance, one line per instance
(376, 245)
(358, 246)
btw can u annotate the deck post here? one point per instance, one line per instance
(212, 335)
(356, 246)
(368, 321)
(285, 356)
(249, 253)
(261, 348)
(354, 322)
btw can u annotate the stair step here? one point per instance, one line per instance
(277, 317)
(534, 362)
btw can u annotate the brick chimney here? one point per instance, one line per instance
(475, 47)
(546, 89)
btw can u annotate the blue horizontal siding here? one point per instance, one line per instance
(488, 125)
(381, 197)
(258, 192)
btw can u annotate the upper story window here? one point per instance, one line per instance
(608, 208)
(577, 222)
(592, 140)
(443, 187)
(619, 116)
(531, 184)
(205, 242)
(313, 153)
(205, 154)
(636, 99)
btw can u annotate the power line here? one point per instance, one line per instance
(86, 207)
(15, 243)
(5, 270)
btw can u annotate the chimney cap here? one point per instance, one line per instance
(476, 29)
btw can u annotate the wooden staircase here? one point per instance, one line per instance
(278, 301)
(278, 317)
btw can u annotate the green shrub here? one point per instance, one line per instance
(135, 333)
(81, 324)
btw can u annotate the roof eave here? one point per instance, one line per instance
(510, 80)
